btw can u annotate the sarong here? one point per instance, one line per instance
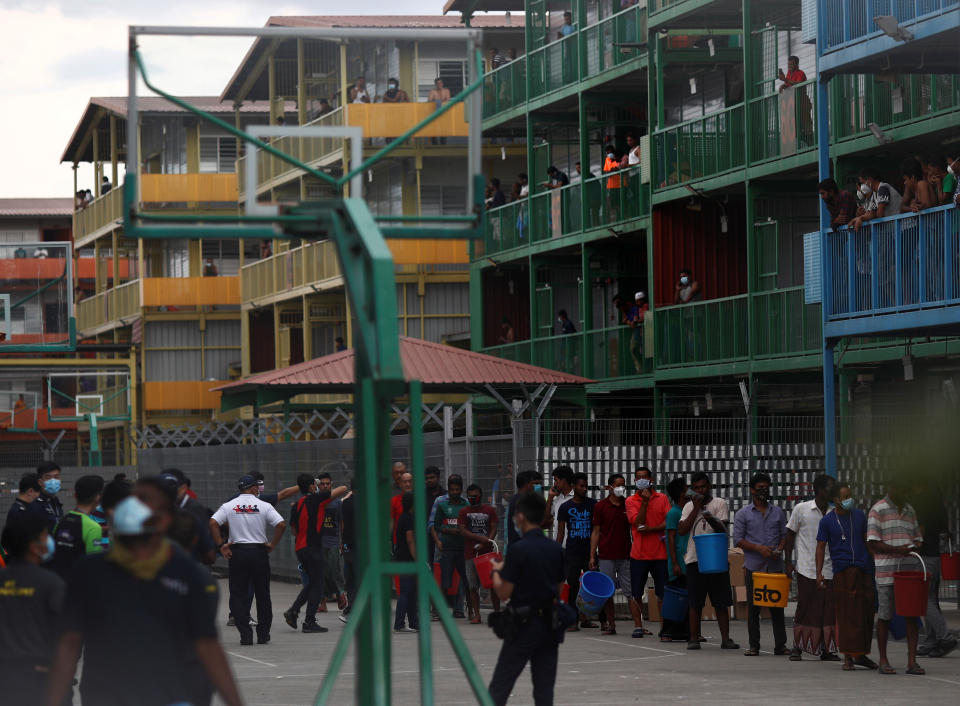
(813, 624)
(853, 604)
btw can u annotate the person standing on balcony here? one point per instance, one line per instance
(881, 199)
(942, 182)
(496, 59)
(567, 28)
(635, 319)
(105, 186)
(497, 198)
(687, 288)
(611, 166)
(395, 94)
(507, 335)
(209, 269)
(917, 193)
(841, 204)
(557, 179)
(794, 74)
(358, 91)
(439, 94)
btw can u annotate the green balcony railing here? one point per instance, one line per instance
(783, 124)
(858, 100)
(505, 88)
(700, 148)
(713, 331)
(606, 200)
(518, 352)
(783, 324)
(618, 352)
(564, 62)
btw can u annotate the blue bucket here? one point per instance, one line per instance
(595, 590)
(675, 605)
(712, 553)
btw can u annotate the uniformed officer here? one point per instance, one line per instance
(530, 578)
(248, 555)
(23, 504)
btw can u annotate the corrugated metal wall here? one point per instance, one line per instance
(446, 307)
(506, 294)
(172, 349)
(685, 238)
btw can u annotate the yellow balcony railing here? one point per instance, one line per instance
(114, 306)
(191, 292)
(188, 188)
(309, 264)
(173, 395)
(97, 214)
(429, 252)
(393, 119)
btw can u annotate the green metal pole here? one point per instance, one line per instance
(420, 514)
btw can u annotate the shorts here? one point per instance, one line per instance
(640, 569)
(471, 576)
(885, 609)
(618, 571)
(717, 586)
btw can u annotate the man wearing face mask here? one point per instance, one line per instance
(527, 482)
(49, 473)
(140, 613)
(760, 529)
(395, 94)
(687, 288)
(844, 531)
(248, 554)
(647, 512)
(892, 534)
(610, 548)
(881, 199)
(704, 514)
(30, 605)
(478, 525)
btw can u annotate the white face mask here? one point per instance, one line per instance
(865, 189)
(684, 281)
(950, 169)
(620, 491)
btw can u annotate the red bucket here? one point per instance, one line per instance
(950, 565)
(454, 582)
(484, 565)
(910, 591)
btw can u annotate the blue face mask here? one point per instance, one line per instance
(51, 486)
(537, 488)
(643, 484)
(51, 548)
(847, 504)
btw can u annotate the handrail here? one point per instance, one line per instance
(847, 24)
(692, 121)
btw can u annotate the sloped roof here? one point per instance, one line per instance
(438, 367)
(99, 108)
(248, 68)
(482, 6)
(36, 207)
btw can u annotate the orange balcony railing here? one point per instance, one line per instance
(181, 395)
(188, 188)
(191, 291)
(393, 119)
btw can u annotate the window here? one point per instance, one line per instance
(218, 155)
(453, 73)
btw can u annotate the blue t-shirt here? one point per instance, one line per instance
(673, 522)
(845, 536)
(579, 524)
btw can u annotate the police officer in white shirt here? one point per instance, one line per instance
(247, 554)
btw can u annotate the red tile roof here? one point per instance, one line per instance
(436, 365)
(36, 207)
(395, 21)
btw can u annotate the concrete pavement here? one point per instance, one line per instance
(593, 670)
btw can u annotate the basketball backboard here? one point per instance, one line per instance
(74, 396)
(36, 297)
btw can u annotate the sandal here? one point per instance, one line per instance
(701, 638)
(608, 631)
(752, 652)
(864, 661)
(848, 665)
(916, 669)
(637, 632)
(666, 638)
(886, 669)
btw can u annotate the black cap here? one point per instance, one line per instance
(246, 481)
(169, 479)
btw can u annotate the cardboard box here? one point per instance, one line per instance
(740, 594)
(737, 577)
(653, 608)
(740, 610)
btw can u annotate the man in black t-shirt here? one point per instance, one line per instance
(347, 538)
(30, 605)
(23, 504)
(306, 523)
(138, 613)
(575, 524)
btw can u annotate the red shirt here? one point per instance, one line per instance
(648, 545)
(478, 520)
(396, 509)
(614, 527)
(796, 76)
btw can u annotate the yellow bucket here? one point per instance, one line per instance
(770, 590)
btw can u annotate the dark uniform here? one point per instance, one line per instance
(51, 507)
(306, 520)
(534, 565)
(20, 509)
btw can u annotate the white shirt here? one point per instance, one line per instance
(633, 156)
(555, 508)
(805, 523)
(718, 508)
(248, 517)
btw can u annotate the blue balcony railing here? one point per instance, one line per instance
(846, 22)
(905, 263)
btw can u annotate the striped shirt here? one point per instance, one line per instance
(887, 524)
